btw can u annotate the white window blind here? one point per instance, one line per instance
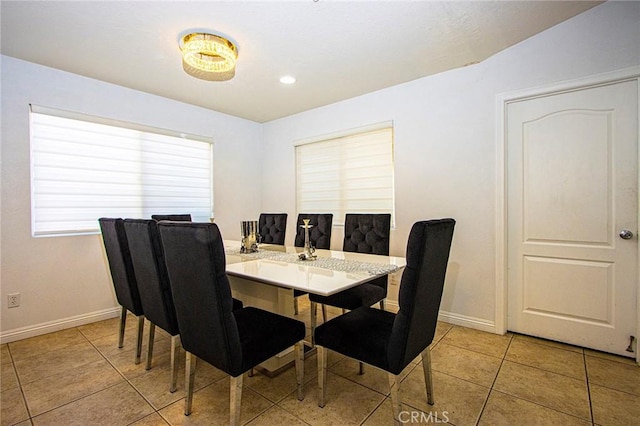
(349, 174)
(83, 170)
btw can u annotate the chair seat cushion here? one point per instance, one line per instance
(264, 334)
(366, 294)
(362, 334)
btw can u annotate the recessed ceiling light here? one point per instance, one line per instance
(287, 79)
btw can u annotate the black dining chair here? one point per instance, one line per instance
(319, 237)
(272, 228)
(232, 341)
(123, 277)
(363, 233)
(174, 217)
(153, 284)
(319, 234)
(391, 341)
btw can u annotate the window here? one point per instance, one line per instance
(84, 169)
(346, 174)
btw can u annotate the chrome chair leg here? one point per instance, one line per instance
(152, 335)
(139, 339)
(360, 368)
(324, 313)
(236, 399)
(175, 340)
(299, 349)
(396, 404)
(322, 374)
(382, 305)
(428, 376)
(123, 323)
(295, 306)
(189, 375)
(314, 322)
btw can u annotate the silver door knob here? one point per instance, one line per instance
(626, 234)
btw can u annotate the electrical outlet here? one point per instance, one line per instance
(13, 300)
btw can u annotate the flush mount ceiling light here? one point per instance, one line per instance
(287, 79)
(208, 57)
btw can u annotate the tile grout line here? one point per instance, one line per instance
(494, 380)
(260, 413)
(432, 346)
(24, 398)
(277, 404)
(518, 397)
(373, 411)
(273, 403)
(542, 369)
(123, 377)
(586, 375)
(462, 346)
(78, 399)
(606, 385)
(31, 417)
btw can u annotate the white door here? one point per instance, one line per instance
(572, 180)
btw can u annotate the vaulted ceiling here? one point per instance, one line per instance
(335, 50)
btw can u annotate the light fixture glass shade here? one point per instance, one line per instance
(208, 57)
(287, 79)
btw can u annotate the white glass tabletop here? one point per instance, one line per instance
(333, 271)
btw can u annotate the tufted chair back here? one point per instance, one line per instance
(174, 217)
(367, 233)
(272, 227)
(320, 234)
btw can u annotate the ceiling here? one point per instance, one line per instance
(335, 49)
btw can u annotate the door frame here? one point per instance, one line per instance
(502, 102)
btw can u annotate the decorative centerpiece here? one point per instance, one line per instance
(250, 237)
(309, 250)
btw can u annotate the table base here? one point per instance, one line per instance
(274, 299)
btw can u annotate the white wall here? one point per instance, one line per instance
(445, 143)
(65, 281)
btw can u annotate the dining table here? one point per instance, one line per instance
(266, 278)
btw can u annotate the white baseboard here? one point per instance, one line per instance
(61, 324)
(391, 306)
(57, 325)
(469, 322)
(452, 318)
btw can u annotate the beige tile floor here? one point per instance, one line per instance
(79, 376)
